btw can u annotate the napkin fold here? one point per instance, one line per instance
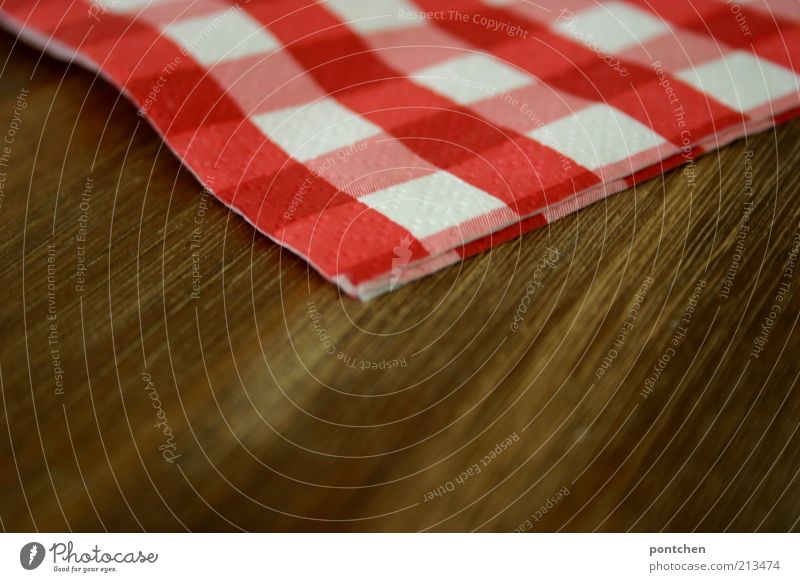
(383, 140)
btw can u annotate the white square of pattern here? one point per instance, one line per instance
(471, 78)
(308, 131)
(376, 15)
(219, 36)
(611, 27)
(431, 204)
(597, 136)
(742, 81)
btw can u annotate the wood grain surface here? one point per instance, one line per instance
(622, 369)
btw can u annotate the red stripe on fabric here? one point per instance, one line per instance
(227, 153)
(275, 192)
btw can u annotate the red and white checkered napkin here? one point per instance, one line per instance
(384, 139)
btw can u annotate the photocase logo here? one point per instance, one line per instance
(402, 256)
(31, 555)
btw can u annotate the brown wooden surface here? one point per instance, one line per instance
(274, 433)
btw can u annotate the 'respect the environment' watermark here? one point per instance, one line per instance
(739, 17)
(568, 22)
(8, 140)
(317, 171)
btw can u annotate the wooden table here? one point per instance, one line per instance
(634, 376)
